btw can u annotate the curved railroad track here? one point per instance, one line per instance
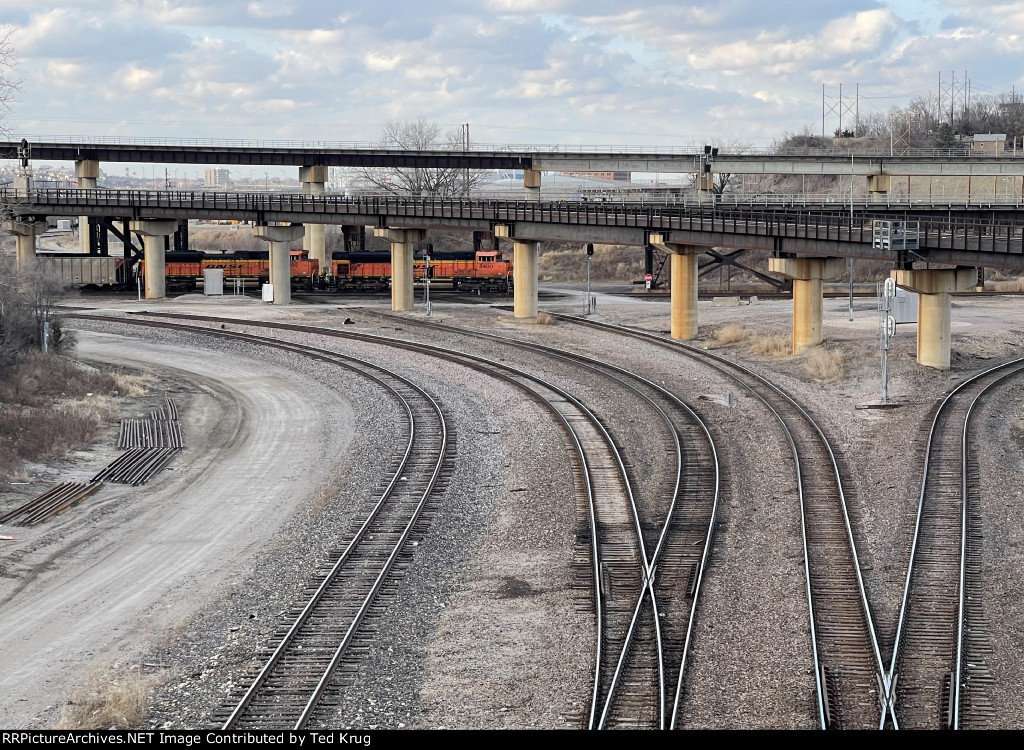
(678, 523)
(620, 578)
(937, 678)
(316, 638)
(846, 658)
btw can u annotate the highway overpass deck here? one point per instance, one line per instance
(545, 158)
(802, 232)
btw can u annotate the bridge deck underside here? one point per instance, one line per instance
(968, 241)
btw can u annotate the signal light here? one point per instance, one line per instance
(430, 250)
(590, 249)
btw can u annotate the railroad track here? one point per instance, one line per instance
(937, 676)
(622, 577)
(318, 637)
(846, 658)
(678, 525)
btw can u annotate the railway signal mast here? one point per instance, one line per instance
(590, 252)
(887, 327)
(426, 275)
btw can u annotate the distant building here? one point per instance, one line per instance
(988, 143)
(218, 177)
(616, 176)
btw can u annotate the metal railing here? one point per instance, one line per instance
(692, 150)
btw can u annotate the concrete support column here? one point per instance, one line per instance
(88, 172)
(524, 279)
(403, 243)
(314, 242)
(280, 239)
(934, 319)
(878, 187)
(807, 275)
(684, 295)
(706, 187)
(25, 240)
(683, 282)
(531, 184)
(154, 234)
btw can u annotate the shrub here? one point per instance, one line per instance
(730, 334)
(770, 346)
(107, 701)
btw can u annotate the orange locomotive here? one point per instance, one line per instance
(183, 270)
(479, 271)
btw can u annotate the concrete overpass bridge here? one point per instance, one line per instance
(805, 245)
(804, 241)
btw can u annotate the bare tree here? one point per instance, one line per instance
(8, 83)
(428, 182)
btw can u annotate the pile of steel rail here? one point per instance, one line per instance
(149, 445)
(50, 503)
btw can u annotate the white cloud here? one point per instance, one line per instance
(269, 9)
(380, 63)
(268, 106)
(518, 70)
(134, 78)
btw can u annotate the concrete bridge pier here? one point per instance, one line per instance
(280, 239)
(314, 242)
(683, 282)
(154, 240)
(878, 187)
(933, 287)
(531, 184)
(403, 243)
(88, 172)
(524, 278)
(25, 240)
(807, 275)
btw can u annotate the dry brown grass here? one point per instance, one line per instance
(824, 365)
(775, 347)
(49, 406)
(1010, 285)
(544, 319)
(108, 700)
(132, 385)
(731, 334)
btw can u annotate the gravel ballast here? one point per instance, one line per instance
(484, 630)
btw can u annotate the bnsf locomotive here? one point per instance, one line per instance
(479, 271)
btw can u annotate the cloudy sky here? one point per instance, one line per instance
(608, 72)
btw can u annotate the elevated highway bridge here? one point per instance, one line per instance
(805, 241)
(540, 158)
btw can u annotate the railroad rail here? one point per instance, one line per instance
(318, 636)
(620, 579)
(50, 503)
(846, 657)
(937, 677)
(678, 522)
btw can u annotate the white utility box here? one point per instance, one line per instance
(904, 306)
(268, 292)
(213, 281)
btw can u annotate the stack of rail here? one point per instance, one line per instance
(150, 445)
(50, 503)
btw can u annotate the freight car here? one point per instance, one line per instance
(480, 271)
(74, 269)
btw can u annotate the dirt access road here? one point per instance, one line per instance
(97, 588)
